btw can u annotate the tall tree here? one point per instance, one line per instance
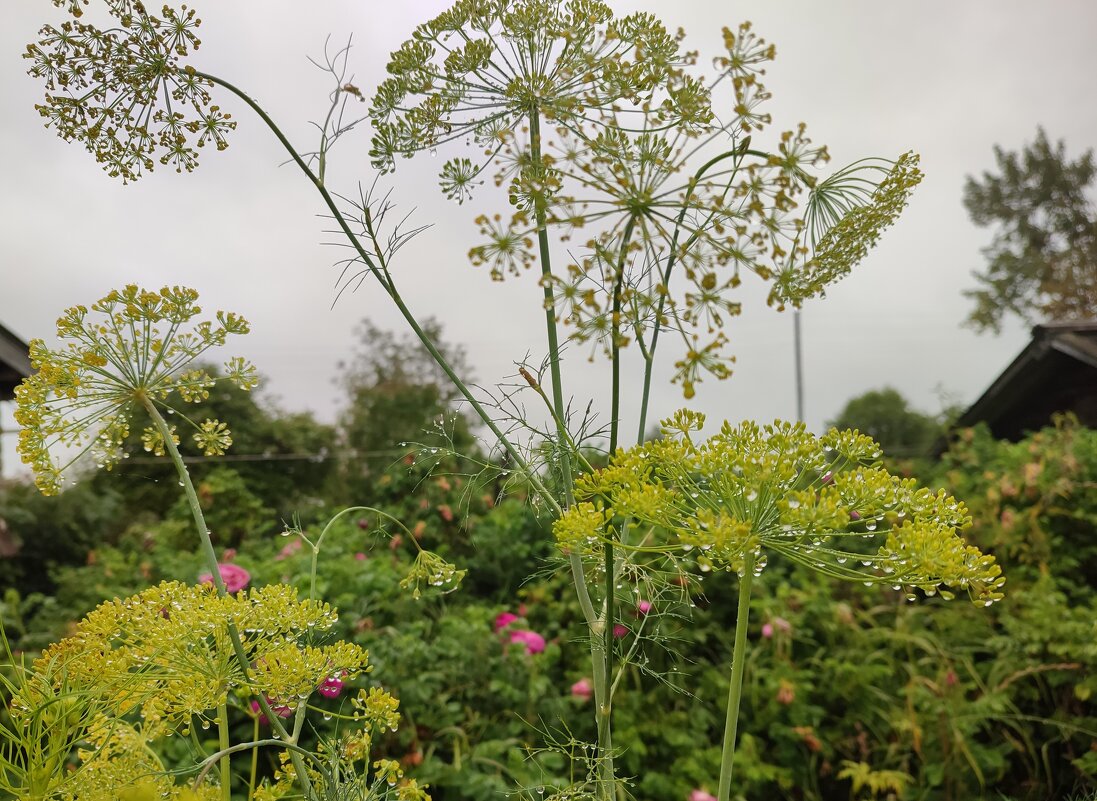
(1042, 263)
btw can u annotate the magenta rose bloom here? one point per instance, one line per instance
(504, 619)
(582, 689)
(533, 641)
(332, 686)
(234, 576)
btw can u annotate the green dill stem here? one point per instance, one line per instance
(550, 317)
(254, 759)
(370, 263)
(649, 357)
(735, 689)
(320, 540)
(223, 741)
(215, 571)
(599, 651)
(605, 713)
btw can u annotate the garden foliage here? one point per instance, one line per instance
(599, 129)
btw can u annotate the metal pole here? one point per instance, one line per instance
(799, 366)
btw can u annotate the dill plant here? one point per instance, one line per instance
(643, 191)
(174, 657)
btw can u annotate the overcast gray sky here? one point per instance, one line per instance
(947, 79)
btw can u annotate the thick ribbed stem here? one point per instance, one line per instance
(735, 689)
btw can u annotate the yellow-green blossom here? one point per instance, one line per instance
(132, 349)
(751, 491)
(431, 569)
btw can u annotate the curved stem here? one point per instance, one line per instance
(320, 540)
(390, 288)
(735, 688)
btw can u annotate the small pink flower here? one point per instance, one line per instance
(854, 515)
(504, 619)
(642, 608)
(777, 624)
(332, 686)
(620, 630)
(363, 523)
(229, 554)
(361, 557)
(533, 641)
(288, 550)
(701, 795)
(582, 689)
(951, 679)
(280, 711)
(234, 576)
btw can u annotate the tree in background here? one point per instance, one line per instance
(284, 458)
(396, 394)
(1042, 263)
(885, 415)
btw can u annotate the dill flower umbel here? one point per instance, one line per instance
(124, 92)
(162, 662)
(751, 491)
(131, 353)
(598, 122)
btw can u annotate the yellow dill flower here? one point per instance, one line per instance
(132, 350)
(166, 652)
(750, 490)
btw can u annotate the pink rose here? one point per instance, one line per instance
(504, 619)
(332, 686)
(582, 689)
(701, 795)
(234, 576)
(533, 641)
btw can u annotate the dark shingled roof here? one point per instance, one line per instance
(14, 363)
(1056, 372)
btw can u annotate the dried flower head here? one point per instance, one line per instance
(124, 91)
(599, 123)
(133, 351)
(749, 491)
(484, 68)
